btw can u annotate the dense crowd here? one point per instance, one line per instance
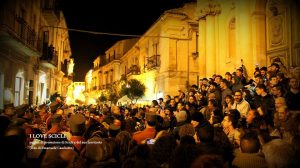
(224, 121)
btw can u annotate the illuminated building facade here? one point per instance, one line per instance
(202, 39)
(164, 58)
(34, 52)
(255, 31)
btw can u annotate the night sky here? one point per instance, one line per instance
(109, 16)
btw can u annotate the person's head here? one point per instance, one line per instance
(186, 129)
(77, 124)
(263, 70)
(274, 67)
(98, 149)
(218, 79)
(279, 153)
(213, 86)
(9, 111)
(282, 112)
(56, 119)
(229, 99)
(205, 81)
(224, 84)
(150, 119)
(258, 79)
(123, 142)
(228, 76)
(212, 104)
(172, 102)
(203, 87)
(116, 110)
(167, 98)
(238, 96)
(60, 158)
(294, 83)
(196, 118)
(273, 80)
(235, 80)
(251, 115)
(180, 106)
(231, 119)
(211, 96)
(256, 72)
(277, 91)
(260, 89)
(154, 103)
(239, 72)
(160, 100)
(181, 116)
(250, 143)
(163, 148)
(176, 98)
(209, 161)
(113, 130)
(279, 101)
(205, 134)
(192, 99)
(184, 155)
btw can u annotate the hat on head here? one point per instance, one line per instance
(77, 123)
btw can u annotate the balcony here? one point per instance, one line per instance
(153, 62)
(15, 33)
(49, 58)
(134, 70)
(50, 11)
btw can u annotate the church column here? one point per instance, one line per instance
(210, 46)
(202, 47)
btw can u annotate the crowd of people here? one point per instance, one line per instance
(224, 121)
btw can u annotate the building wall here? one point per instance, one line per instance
(232, 33)
(207, 38)
(164, 59)
(21, 49)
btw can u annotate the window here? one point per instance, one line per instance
(18, 83)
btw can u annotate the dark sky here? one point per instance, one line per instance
(110, 16)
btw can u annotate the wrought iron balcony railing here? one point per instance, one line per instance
(18, 28)
(134, 70)
(152, 62)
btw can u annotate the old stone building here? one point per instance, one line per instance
(252, 32)
(204, 38)
(34, 51)
(164, 58)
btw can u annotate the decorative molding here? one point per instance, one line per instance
(211, 8)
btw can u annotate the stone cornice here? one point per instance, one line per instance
(210, 8)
